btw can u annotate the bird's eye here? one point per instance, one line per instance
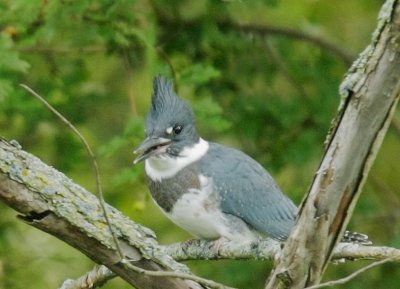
(178, 128)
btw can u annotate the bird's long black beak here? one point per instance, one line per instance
(151, 146)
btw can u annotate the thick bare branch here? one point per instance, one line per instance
(371, 91)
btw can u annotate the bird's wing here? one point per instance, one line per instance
(247, 191)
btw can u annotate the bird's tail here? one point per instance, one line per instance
(357, 238)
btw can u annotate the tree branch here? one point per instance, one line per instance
(270, 250)
(351, 276)
(263, 250)
(261, 30)
(98, 276)
(266, 30)
(370, 94)
(49, 201)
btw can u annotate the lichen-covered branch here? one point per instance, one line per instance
(263, 250)
(370, 94)
(49, 201)
(269, 250)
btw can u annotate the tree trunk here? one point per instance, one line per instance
(371, 92)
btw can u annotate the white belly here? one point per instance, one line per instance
(198, 212)
(195, 215)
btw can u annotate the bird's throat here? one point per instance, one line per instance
(165, 166)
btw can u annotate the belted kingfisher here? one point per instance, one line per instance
(210, 190)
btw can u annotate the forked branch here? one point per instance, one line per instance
(370, 94)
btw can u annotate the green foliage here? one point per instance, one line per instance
(271, 95)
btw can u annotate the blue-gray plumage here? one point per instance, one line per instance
(208, 189)
(248, 191)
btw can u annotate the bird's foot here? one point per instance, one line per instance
(356, 238)
(219, 244)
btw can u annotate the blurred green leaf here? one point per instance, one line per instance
(199, 73)
(10, 60)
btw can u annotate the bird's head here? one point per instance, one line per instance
(170, 125)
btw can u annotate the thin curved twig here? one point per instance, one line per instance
(265, 30)
(351, 276)
(92, 156)
(347, 57)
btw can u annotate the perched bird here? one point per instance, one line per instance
(210, 190)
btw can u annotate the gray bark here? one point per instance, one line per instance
(51, 202)
(370, 93)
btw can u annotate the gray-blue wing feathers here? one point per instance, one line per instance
(247, 191)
